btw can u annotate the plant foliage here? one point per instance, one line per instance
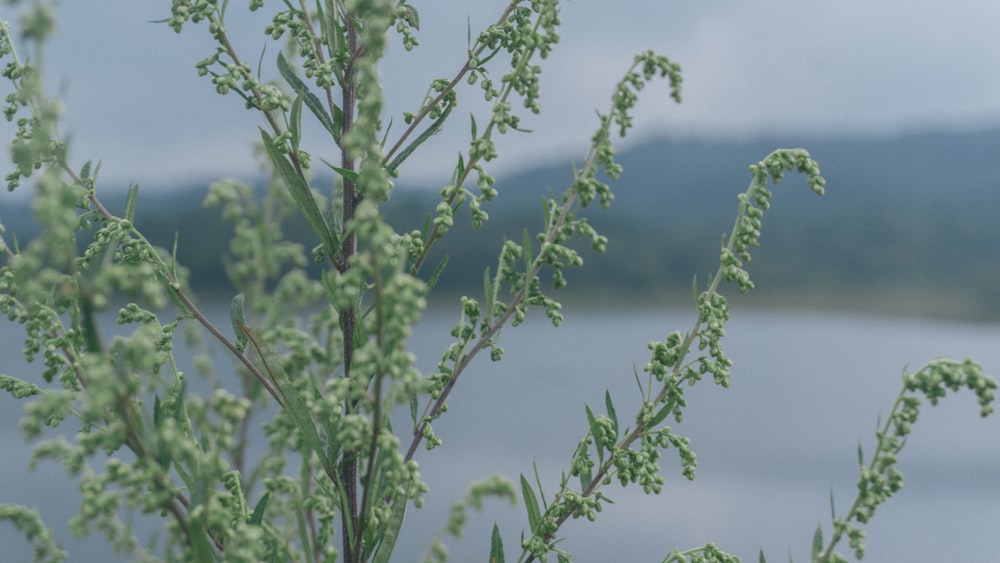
(322, 361)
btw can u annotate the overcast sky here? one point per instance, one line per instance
(133, 98)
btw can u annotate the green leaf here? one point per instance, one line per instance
(295, 122)
(413, 408)
(391, 532)
(496, 546)
(258, 511)
(635, 372)
(332, 33)
(331, 124)
(760, 556)
(531, 503)
(661, 414)
(488, 292)
(173, 258)
(237, 315)
(595, 431)
(586, 475)
(201, 549)
(526, 249)
(431, 281)
(85, 170)
(162, 452)
(178, 413)
(133, 193)
(833, 510)
(538, 481)
(817, 544)
(349, 175)
(861, 455)
(291, 402)
(157, 411)
(300, 193)
(611, 411)
(311, 101)
(427, 134)
(426, 229)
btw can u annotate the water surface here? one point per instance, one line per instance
(806, 388)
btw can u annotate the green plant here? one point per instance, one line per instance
(323, 361)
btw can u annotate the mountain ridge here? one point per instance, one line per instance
(908, 214)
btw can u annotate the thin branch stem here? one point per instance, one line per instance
(669, 383)
(426, 109)
(494, 327)
(348, 315)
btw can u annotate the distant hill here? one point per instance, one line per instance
(907, 226)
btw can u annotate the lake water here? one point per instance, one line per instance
(806, 388)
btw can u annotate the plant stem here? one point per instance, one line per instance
(348, 315)
(669, 382)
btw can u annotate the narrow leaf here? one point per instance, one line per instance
(85, 170)
(291, 401)
(432, 281)
(595, 431)
(496, 546)
(427, 134)
(349, 175)
(611, 411)
(173, 258)
(660, 415)
(157, 411)
(311, 101)
(833, 509)
(861, 455)
(133, 193)
(538, 482)
(586, 475)
(237, 315)
(760, 556)
(526, 249)
(391, 532)
(426, 229)
(817, 544)
(162, 452)
(258, 511)
(300, 192)
(200, 546)
(488, 291)
(331, 29)
(531, 503)
(413, 408)
(635, 372)
(295, 122)
(178, 413)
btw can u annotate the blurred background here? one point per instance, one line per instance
(897, 264)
